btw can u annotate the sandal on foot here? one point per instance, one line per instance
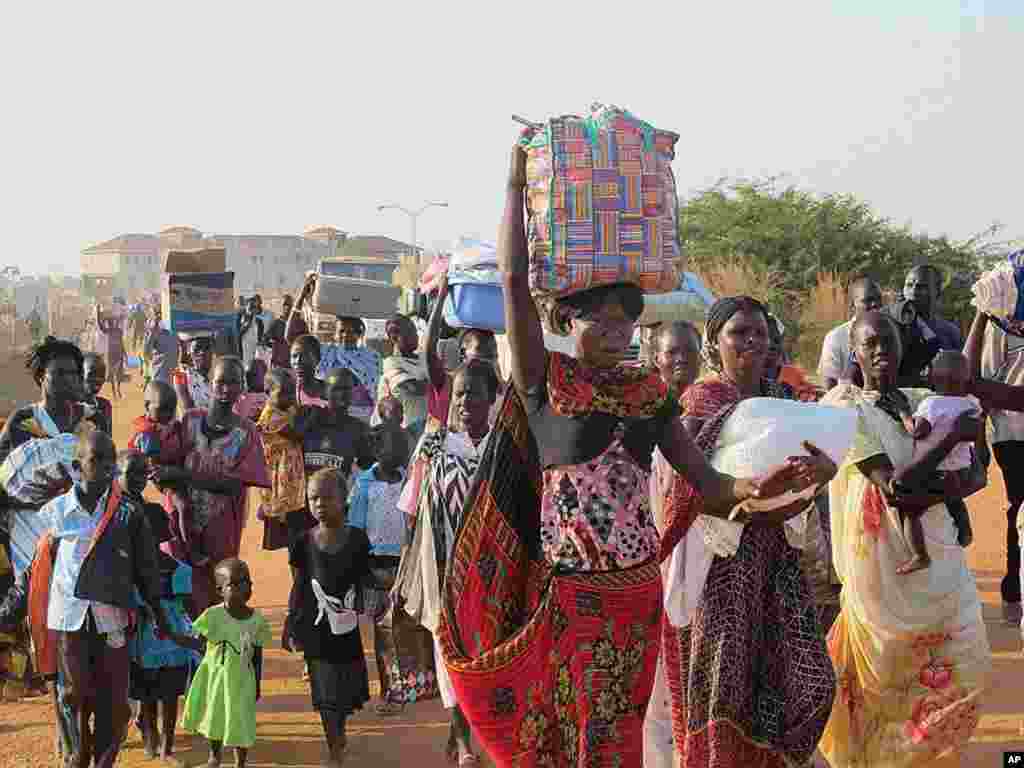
(389, 708)
(469, 761)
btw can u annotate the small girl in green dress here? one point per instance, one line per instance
(221, 702)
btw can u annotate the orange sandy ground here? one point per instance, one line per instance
(290, 733)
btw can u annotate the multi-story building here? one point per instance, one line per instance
(270, 264)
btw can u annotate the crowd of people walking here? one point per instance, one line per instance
(545, 548)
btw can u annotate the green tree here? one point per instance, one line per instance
(801, 237)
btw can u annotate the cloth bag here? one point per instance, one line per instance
(602, 204)
(406, 646)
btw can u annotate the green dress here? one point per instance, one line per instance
(221, 702)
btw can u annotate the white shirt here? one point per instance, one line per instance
(835, 352)
(75, 527)
(941, 411)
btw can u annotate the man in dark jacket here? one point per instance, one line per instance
(104, 550)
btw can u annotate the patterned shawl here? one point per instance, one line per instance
(626, 391)
(285, 462)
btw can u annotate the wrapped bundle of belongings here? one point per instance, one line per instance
(475, 297)
(31, 475)
(431, 277)
(690, 302)
(998, 294)
(197, 293)
(602, 204)
(355, 297)
(759, 435)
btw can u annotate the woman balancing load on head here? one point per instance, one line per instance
(910, 652)
(552, 596)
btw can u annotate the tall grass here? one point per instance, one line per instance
(825, 306)
(738, 276)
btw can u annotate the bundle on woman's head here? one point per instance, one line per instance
(49, 349)
(718, 315)
(557, 314)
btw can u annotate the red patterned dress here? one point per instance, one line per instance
(552, 599)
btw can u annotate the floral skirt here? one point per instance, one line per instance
(750, 679)
(928, 706)
(571, 688)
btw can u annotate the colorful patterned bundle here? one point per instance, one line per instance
(602, 205)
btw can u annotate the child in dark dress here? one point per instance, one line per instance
(159, 667)
(330, 566)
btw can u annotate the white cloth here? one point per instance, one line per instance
(340, 613)
(444, 682)
(658, 741)
(250, 343)
(941, 411)
(835, 352)
(758, 436)
(995, 293)
(75, 527)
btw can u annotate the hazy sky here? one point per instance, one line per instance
(270, 117)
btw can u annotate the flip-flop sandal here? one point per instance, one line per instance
(389, 708)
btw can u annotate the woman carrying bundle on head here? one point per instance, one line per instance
(474, 344)
(552, 596)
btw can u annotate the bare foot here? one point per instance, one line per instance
(213, 762)
(916, 563)
(150, 739)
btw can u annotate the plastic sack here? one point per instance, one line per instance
(432, 274)
(602, 205)
(759, 435)
(998, 294)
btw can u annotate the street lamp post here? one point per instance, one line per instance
(413, 215)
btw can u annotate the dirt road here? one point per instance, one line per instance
(290, 734)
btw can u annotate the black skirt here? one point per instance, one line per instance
(157, 684)
(341, 687)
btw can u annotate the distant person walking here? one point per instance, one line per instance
(35, 324)
(159, 349)
(250, 331)
(111, 326)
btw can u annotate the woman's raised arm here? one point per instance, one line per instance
(435, 368)
(522, 322)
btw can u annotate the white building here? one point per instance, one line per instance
(266, 264)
